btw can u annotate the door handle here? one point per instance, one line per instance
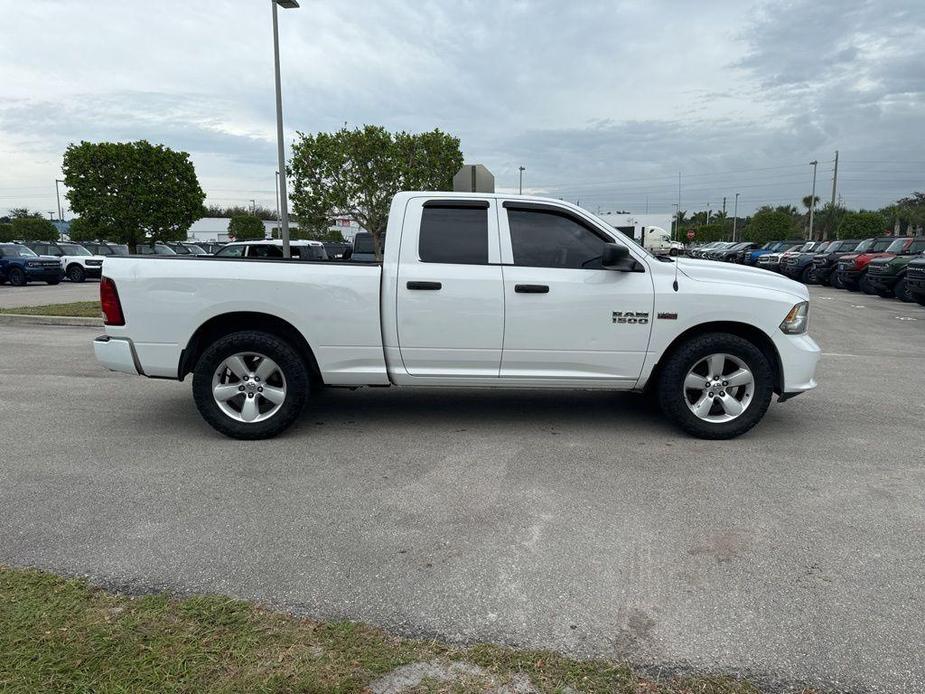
(424, 285)
(531, 288)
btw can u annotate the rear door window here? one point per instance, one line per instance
(457, 235)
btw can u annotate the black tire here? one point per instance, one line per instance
(53, 281)
(17, 277)
(76, 273)
(920, 298)
(837, 281)
(673, 398)
(865, 286)
(808, 275)
(290, 363)
(901, 291)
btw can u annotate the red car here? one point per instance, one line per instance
(852, 269)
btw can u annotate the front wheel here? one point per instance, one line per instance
(901, 291)
(250, 385)
(866, 286)
(76, 273)
(17, 277)
(716, 386)
(808, 275)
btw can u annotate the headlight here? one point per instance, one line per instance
(796, 321)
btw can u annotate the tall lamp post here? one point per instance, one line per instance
(812, 198)
(521, 169)
(735, 217)
(280, 145)
(58, 195)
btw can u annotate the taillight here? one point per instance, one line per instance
(109, 302)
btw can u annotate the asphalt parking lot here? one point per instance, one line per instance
(575, 521)
(36, 294)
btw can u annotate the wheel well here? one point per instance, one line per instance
(228, 323)
(747, 332)
(72, 264)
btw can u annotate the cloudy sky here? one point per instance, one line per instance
(602, 101)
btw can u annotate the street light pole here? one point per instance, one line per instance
(812, 198)
(735, 217)
(277, 201)
(280, 145)
(521, 169)
(58, 195)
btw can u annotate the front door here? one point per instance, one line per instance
(566, 318)
(450, 311)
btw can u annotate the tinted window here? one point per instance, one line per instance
(454, 235)
(917, 246)
(231, 252)
(73, 249)
(548, 239)
(265, 252)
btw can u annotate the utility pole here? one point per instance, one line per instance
(679, 207)
(735, 217)
(724, 205)
(812, 198)
(521, 169)
(277, 198)
(835, 178)
(58, 195)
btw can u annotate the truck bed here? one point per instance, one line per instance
(335, 305)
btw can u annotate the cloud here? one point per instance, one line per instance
(603, 101)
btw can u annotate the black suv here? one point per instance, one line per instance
(105, 248)
(799, 266)
(826, 262)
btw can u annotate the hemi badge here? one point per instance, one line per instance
(668, 316)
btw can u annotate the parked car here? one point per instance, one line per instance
(157, 248)
(186, 248)
(798, 264)
(105, 248)
(887, 275)
(273, 248)
(211, 247)
(714, 252)
(771, 261)
(78, 263)
(742, 255)
(824, 262)
(20, 265)
(730, 254)
(851, 271)
(915, 280)
(487, 290)
(363, 251)
(337, 249)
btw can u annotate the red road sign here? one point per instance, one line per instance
(690, 235)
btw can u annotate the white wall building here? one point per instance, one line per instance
(216, 228)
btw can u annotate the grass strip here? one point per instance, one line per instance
(61, 634)
(80, 309)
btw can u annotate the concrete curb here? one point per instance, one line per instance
(23, 319)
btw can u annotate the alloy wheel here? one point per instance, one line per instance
(719, 388)
(249, 387)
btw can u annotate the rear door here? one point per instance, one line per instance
(566, 318)
(450, 299)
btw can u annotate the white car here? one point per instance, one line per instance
(273, 248)
(77, 262)
(474, 290)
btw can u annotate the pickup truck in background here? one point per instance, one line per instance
(473, 290)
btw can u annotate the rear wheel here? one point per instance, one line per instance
(76, 273)
(250, 385)
(901, 291)
(17, 277)
(716, 386)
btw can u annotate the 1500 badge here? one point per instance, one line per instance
(634, 317)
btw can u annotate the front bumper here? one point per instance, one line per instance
(95, 272)
(44, 273)
(849, 276)
(824, 272)
(881, 281)
(117, 354)
(915, 285)
(799, 356)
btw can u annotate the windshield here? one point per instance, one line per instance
(821, 247)
(119, 249)
(193, 248)
(13, 251)
(178, 249)
(73, 249)
(897, 246)
(864, 245)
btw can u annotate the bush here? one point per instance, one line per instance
(862, 225)
(246, 227)
(34, 229)
(6, 233)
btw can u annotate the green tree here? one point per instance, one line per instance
(34, 229)
(769, 224)
(258, 211)
(246, 227)
(709, 232)
(133, 192)
(357, 172)
(6, 233)
(81, 229)
(861, 225)
(23, 212)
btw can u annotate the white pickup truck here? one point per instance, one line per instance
(473, 290)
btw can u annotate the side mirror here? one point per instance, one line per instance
(617, 257)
